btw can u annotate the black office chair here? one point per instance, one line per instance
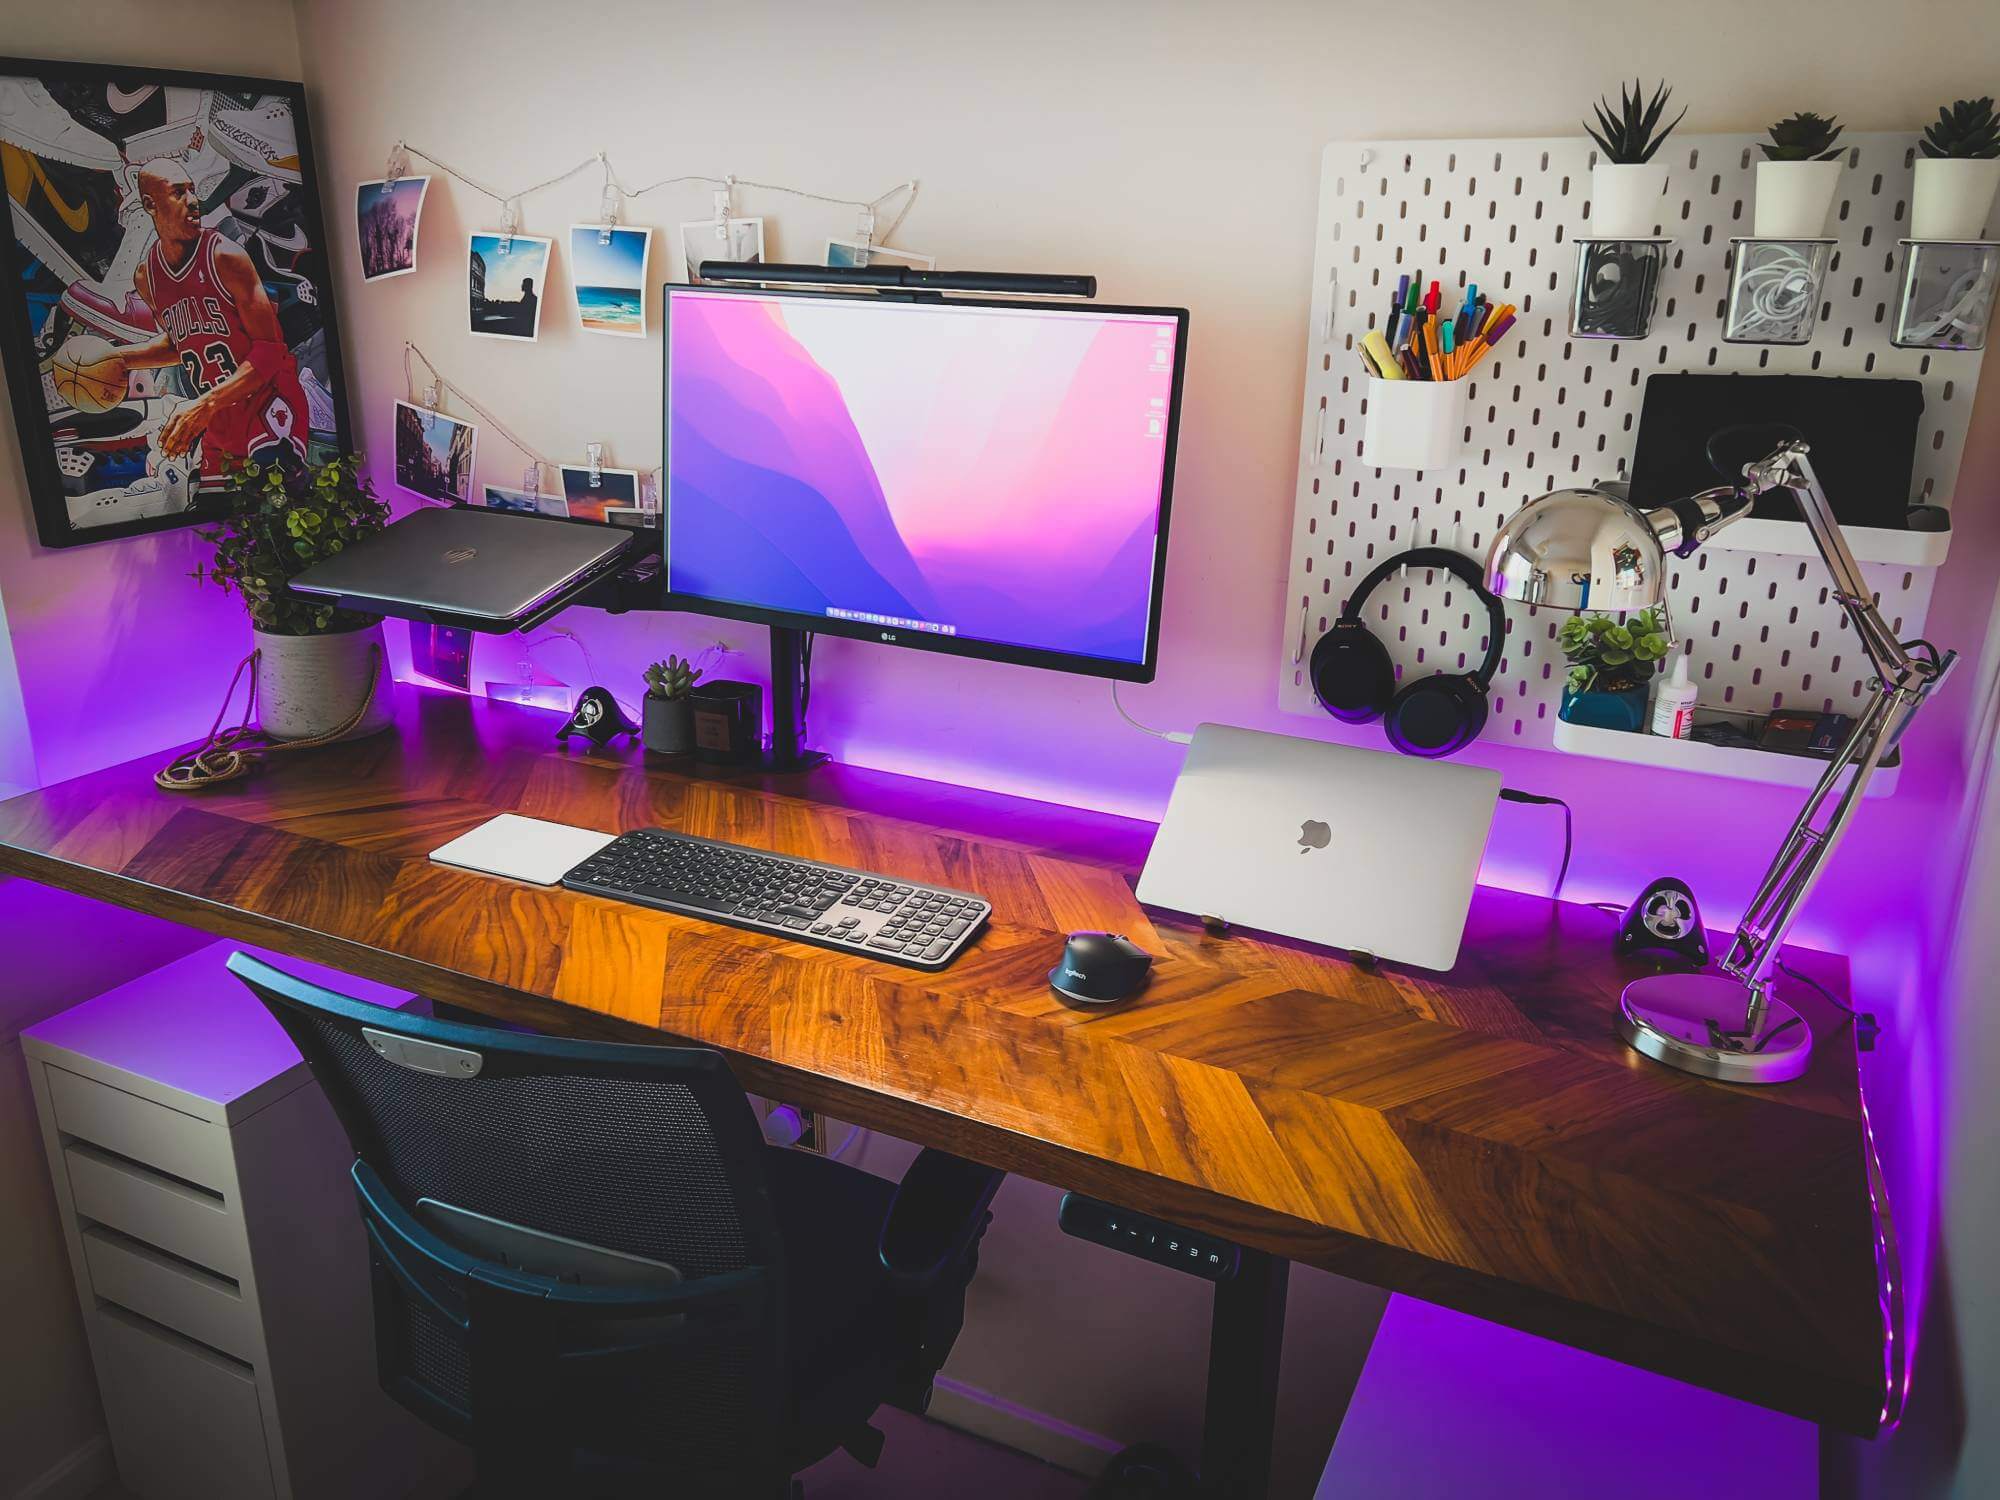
(589, 1267)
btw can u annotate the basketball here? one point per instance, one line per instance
(87, 376)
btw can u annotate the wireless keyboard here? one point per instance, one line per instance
(902, 922)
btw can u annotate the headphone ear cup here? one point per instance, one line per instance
(1352, 675)
(1436, 716)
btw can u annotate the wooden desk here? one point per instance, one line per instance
(1478, 1139)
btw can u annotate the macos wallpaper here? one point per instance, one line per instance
(986, 472)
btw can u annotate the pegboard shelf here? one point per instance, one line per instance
(1546, 411)
(1870, 544)
(1664, 754)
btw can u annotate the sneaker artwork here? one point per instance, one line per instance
(261, 138)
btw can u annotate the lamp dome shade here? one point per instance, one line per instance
(1578, 549)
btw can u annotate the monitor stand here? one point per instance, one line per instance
(789, 692)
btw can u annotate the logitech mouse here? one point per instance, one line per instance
(1099, 967)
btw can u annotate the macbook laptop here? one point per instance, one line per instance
(1356, 849)
(484, 570)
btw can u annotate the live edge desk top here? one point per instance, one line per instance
(1478, 1139)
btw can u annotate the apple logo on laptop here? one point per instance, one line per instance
(1314, 834)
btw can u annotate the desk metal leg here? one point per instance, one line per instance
(1245, 1340)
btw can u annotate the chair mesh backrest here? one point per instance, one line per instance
(627, 1163)
(649, 1151)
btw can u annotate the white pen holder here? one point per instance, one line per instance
(1414, 424)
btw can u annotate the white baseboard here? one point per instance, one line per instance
(1035, 1433)
(84, 1472)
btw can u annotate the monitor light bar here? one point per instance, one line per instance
(906, 278)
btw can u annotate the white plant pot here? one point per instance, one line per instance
(1952, 197)
(1794, 198)
(1627, 199)
(309, 685)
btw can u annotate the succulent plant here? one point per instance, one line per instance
(1802, 137)
(1966, 129)
(672, 678)
(1610, 656)
(1633, 134)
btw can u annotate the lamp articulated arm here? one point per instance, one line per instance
(1904, 677)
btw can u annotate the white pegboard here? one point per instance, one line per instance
(1547, 410)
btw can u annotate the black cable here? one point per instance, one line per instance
(1777, 1031)
(1866, 1027)
(1536, 799)
(805, 672)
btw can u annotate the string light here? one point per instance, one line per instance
(906, 190)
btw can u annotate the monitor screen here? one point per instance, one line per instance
(980, 477)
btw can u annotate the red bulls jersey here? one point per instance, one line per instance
(195, 310)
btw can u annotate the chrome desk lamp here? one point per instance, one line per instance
(1593, 548)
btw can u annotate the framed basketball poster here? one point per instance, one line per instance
(167, 306)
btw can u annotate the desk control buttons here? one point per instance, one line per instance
(921, 926)
(1191, 1250)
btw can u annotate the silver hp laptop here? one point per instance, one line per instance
(484, 570)
(1356, 849)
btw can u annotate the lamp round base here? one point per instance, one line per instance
(1667, 1017)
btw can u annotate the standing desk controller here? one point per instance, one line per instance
(1194, 1251)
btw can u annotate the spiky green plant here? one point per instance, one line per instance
(1802, 137)
(1633, 134)
(672, 678)
(1966, 129)
(1610, 656)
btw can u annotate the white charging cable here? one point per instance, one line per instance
(1775, 295)
(1179, 737)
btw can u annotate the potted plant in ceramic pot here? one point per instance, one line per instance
(1626, 184)
(1796, 179)
(316, 665)
(1610, 663)
(668, 715)
(1957, 173)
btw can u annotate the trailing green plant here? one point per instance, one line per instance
(1965, 129)
(672, 678)
(1802, 137)
(1633, 134)
(276, 526)
(1611, 656)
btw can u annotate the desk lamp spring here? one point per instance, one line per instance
(1592, 548)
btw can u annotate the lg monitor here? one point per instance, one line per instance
(989, 478)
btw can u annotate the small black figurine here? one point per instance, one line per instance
(598, 718)
(1664, 917)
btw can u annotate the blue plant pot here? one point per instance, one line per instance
(1625, 710)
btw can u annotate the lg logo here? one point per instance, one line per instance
(1314, 834)
(888, 635)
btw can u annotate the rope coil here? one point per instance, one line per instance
(227, 754)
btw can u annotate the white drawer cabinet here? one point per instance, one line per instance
(219, 1258)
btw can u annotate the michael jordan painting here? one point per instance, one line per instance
(167, 307)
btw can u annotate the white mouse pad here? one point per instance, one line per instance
(522, 848)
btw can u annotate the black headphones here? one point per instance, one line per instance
(1355, 681)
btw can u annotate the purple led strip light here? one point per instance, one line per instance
(1888, 1273)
